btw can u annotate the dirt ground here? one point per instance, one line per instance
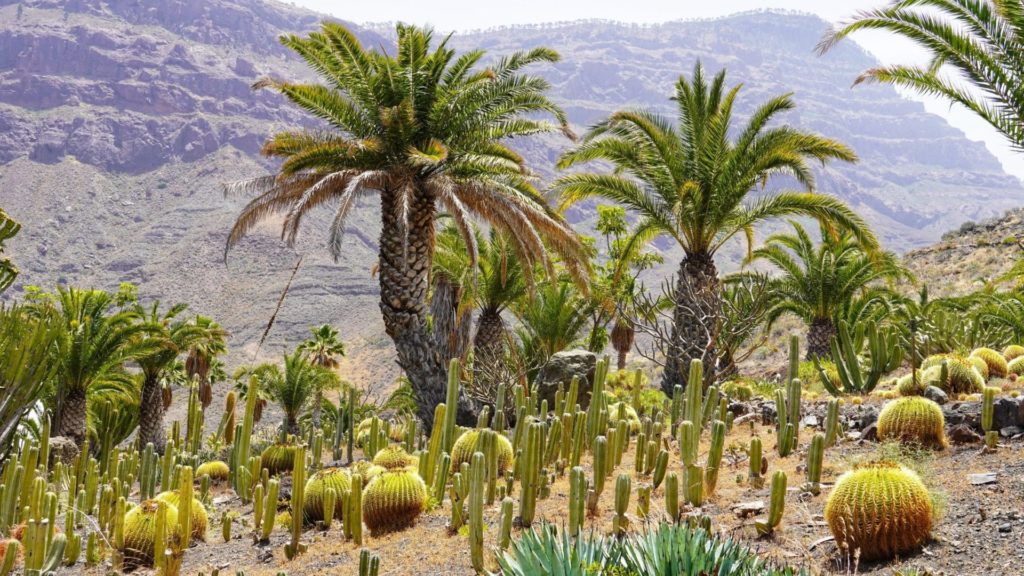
(979, 532)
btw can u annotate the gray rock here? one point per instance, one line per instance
(1005, 413)
(560, 370)
(62, 449)
(935, 394)
(1010, 431)
(870, 432)
(963, 434)
(868, 416)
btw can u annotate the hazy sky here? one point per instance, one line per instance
(475, 14)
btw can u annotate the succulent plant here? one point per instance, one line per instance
(1016, 366)
(140, 525)
(393, 458)
(962, 377)
(393, 500)
(980, 365)
(631, 417)
(217, 470)
(880, 510)
(997, 367)
(907, 386)
(913, 419)
(337, 479)
(278, 458)
(466, 445)
(1012, 352)
(200, 519)
(368, 470)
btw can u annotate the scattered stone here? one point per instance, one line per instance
(750, 416)
(935, 394)
(1011, 431)
(963, 434)
(810, 421)
(1004, 528)
(748, 509)
(982, 479)
(870, 432)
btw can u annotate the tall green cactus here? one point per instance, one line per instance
(756, 464)
(622, 491)
(600, 466)
(298, 504)
(452, 406)
(815, 455)
(688, 442)
(530, 474)
(832, 423)
(776, 507)
(693, 409)
(714, 462)
(369, 563)
(478, 473)
(987, 416)
(505, 536)
(353, 517)
(672, 496)
(577, 499)
(694, 484)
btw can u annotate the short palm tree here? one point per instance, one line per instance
(980, 42)
(323, 348)
(169, 338)
(694, 182)
(552, 319)
(97, 339)
(201, 362)
(423, 130)
(819, 283)
(294, 386)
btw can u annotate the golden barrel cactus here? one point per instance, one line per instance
(200, 519)
(140, 532)
(913, 419)
(1016, 366)
(368, 470)
(880, 510)
(997, 367)
(980, 365)
(278, 458)
(906, 386)
(393, 458)
(616, 412)
(962, 378)
(317, 486)
(393, 500)
(1013, 351)
(217, 471)
(466, 446)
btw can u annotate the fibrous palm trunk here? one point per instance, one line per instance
(405, 259)
(820, 334)
(71, 422)
(623, 335)
(450, 327)
(151, 414)
(696, 321)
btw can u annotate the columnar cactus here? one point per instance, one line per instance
(600, 466)
(987, 415)
(478, 474)
(505, 537)
(693, 410)
(295, 546)
(785, 430)
(672, 496)
(688, 442)
(879, 510)
(913, 419)
(756, 463)
(577, 499)
(353, 517)
(622, 491)
(694, 482)
(451, 404)
(777, 505)
(530, 474)
(714, 462)
(815, 455)
(660, 467)
(832, 423)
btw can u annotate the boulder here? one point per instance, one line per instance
(62, 449)
(935, 394)
(1005, 413)
(963, 434)
(560, 370)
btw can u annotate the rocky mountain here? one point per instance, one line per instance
(120, 119)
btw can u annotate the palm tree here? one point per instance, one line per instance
(97, 339)
(169, 338)
(202, 355)
(553, 319)
(323, 349)
(423, 130)
(980, 42)
(295, 386)
(692, 182)
(820, 283)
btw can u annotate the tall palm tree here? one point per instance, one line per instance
(209, 343)
(820, 283)
(977, 51)
(693, 182)
(294, 386)
(97, 339)
(423, 130)
(323, 349)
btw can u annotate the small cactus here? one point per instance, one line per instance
(140, 525)
(394, 458)
(336, 479)
(199, 517)
(714, 462)
(278, 458)
(466, 446)
(815, 455)
(776, 506)
(756, 463)
(1012, 352)
(622, 490)
(879, 510)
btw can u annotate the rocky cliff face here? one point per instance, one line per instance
(119, 120)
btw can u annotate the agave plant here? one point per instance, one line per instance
(543, 551)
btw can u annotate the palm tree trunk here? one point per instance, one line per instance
(405, 262)
(71, 420)
(151, 415)
(820, 334)
(314, 412)
(449, 328)
(696, 321)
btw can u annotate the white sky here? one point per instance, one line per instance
(476, 14)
